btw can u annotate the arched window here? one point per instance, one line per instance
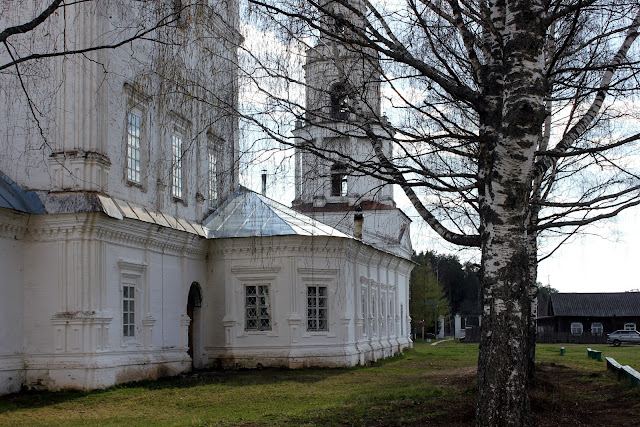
(339, 102)
(338, 180)
(195, 296)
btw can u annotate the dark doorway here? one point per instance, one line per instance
(194, 302)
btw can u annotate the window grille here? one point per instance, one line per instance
(257, 312)
(596, 328)
(317, 308)
(128, 311)
(134, 123)
(176, 162)
(629, 326)
(576, 328)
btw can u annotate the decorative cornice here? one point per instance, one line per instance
(128, 232)
(13, 224)
(80, 154)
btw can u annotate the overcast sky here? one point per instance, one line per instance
(606, 258)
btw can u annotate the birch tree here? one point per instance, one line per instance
(513, 121)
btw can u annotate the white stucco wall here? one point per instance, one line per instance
(73, 300)
(12, 228)
(287, 264)
(84, 100)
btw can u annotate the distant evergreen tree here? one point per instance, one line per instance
(544, 298)
(427, 298)
(459, 282)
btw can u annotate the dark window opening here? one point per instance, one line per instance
(339, 102)
(338, 180)
(195, 296)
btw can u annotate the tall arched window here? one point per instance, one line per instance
(339, 102)
(338, 180)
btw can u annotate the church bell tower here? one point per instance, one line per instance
(335, 156)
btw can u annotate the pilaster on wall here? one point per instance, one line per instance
(79, 159)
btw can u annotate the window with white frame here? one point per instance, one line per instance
(317, 308)
(176, 166)
(257, 308)
(629, 326)
(213, 182)
(134, 135)
(128, 310)
(576, 328)
(596, 328)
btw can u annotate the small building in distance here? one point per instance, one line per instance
(588, 317)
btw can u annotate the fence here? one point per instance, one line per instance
(566, 337)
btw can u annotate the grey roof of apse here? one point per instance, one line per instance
(248, 214)
(12, 196)
(596, 304)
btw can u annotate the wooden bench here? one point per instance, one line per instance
(631, 375)
(612, 365)
(594, 354)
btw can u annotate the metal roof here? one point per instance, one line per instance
(12, 196)
(596, 304)
(249, 214)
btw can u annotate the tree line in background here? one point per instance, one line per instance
(442, 286)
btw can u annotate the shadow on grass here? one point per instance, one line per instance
(231, 378)
(240, 378)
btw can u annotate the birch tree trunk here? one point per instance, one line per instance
(509, 137)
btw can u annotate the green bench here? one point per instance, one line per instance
(594, 354)
(612, 365)
(631, 374)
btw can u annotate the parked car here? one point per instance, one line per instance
(618, 337)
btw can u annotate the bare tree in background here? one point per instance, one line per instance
(512, 121)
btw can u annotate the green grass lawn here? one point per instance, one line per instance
(428, 384)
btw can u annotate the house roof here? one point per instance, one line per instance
(249, 214)
(12, 196)
(596, 304)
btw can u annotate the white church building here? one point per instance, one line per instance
(128, 248)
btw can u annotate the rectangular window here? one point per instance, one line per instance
(596, 328)
(128, 310)
(134, 124)
(257, 312)
(213, 182)
(176, 166)
(629, 326)
(317, 308)
(576, 328)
